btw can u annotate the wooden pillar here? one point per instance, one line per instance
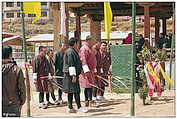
(64, 39)
(164, 26)
(78, 28)
(146, 22)
(95, 29)
(56, 25)
(157, 29)
(67, 25)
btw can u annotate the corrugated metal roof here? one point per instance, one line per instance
(10, 38)
(41, 37)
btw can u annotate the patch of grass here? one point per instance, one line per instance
(121, 90)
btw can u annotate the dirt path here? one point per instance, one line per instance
(117, 105)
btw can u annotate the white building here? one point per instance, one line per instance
(11, 12)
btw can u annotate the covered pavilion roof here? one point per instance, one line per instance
(96, 9)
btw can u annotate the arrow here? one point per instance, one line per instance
(108, 81)
(57, 84)
(96, 87)
(116, 78)
(59, 77)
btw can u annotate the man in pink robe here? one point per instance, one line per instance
(88, 59)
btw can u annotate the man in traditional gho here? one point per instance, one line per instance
(72, 68)
(103, 65)
(88, 59)
(49, 56)
(58, 62)
(40, 66)
(96, 49)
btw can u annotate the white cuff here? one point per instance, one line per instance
(49, 76)
(86, 68)
(101, 70)
(72, 71)
(110, 68)
(34, 75)
(95, 70)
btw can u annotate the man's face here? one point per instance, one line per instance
(103, 47)
(76, 46)
(98, 45)
(44, 51)
(51, 54)
(64, 47)
(91, 42)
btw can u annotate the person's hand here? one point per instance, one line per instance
(87, 74)
(74, 78)
(95, 73)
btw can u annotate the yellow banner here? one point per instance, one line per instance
(32, 8)
(107, 18)
(166, 77)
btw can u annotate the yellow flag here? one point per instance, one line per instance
(107, 18)
(32, 8)
(166, 77)
(153, 74)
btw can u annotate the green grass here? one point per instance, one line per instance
(121, 90)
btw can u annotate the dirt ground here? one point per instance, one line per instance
(117, 105)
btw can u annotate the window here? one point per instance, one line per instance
(18, 14)
(2, 16)
(9, 4)
(43, 3)
(9, 15)
(18, 4)
(31, 15)
(44, 14)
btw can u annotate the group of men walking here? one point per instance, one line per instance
(74, 69)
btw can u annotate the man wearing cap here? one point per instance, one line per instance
(88, 59)
(72, 68)
(13, 86)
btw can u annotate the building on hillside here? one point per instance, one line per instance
(11, 12)
(128, 18)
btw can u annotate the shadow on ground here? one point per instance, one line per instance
(98, 110)
(161, 100)
(112, 102)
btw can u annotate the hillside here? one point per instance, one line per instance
(47, 28)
